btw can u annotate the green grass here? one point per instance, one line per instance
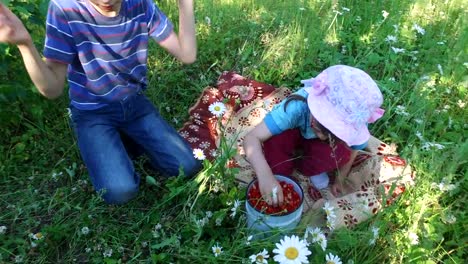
(45, 188)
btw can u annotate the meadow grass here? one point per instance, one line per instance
(415, 50)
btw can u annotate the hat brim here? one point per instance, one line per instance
(324, 112)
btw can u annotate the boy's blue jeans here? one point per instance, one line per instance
(99, 135)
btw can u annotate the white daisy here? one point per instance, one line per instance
(217, 109)
(234, 208)
(3, 229)
(322, 240)
(419, 29)
(413, 237)
(249, 238)
(332, 259)
(217, 250)
(398, 50)
(85, 230)
(198, 154)
(391, 38)
(260, 258)
(329, 210)
(291, 250)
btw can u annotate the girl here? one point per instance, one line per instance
(326, 122)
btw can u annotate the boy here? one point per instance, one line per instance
(101, 46)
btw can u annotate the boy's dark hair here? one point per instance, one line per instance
(296, 97)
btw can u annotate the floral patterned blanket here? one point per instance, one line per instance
(379, 175)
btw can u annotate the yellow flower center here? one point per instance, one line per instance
(260, 258)
(291, 253)
(217, 108)
(218, 250)
(331, 262)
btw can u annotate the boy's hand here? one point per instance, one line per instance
(12, 29)
(271, 191)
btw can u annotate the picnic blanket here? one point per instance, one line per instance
(378, 176)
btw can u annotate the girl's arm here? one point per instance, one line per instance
(343, 172)
(254, 153)
(184, 45)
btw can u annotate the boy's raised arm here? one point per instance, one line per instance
(48, 76)
(183, 45)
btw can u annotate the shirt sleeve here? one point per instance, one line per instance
(280, 120)
(59, 43)
(159, 26)
(359, 147)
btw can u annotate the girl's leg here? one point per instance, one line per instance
(280, 151)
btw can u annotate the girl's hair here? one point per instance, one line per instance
(296, 97)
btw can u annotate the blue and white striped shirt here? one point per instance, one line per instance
(106, 55)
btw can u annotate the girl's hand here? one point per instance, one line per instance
(271, 191)
(12, 29)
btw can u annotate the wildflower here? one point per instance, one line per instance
(218, 221)
(322, 240)
(208, 21)
(375, 235)
(87, 250)
(413, 237)
(144, 244)
(345, 9)
(157, 226)
(260, 258)
(358, 19)
(419, 29)
(217, 250)
(401, 110)
(449, 219)
(249, 238)
(398, 50)
(85, 230)
(428, 145)
(3, 230)
(329, 210)
(391, 38)
(209, 214)
(19, 259)
(198, 154)
(234, 209)
(439, 67)
(385, 14)
(291, 250)
(313, 232)
(37, 236)
(332, 259)
(107, 253)
(217, 109)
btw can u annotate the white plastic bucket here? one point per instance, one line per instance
(259, 222)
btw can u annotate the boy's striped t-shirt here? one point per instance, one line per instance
(106, 55)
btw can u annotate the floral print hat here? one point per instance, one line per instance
(345, 99)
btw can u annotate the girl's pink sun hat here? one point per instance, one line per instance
(345, 99)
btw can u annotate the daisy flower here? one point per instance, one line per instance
(291, 250)
(3, 229)
(234, 209)
(260, 258)
(217, 250)
(85, 230)
(413, 237)
(391, 38)
(332, 259)
(419, 29)
(217, 109)
(398, 50)
(198, 154)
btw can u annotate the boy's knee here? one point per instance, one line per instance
(119, 192)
